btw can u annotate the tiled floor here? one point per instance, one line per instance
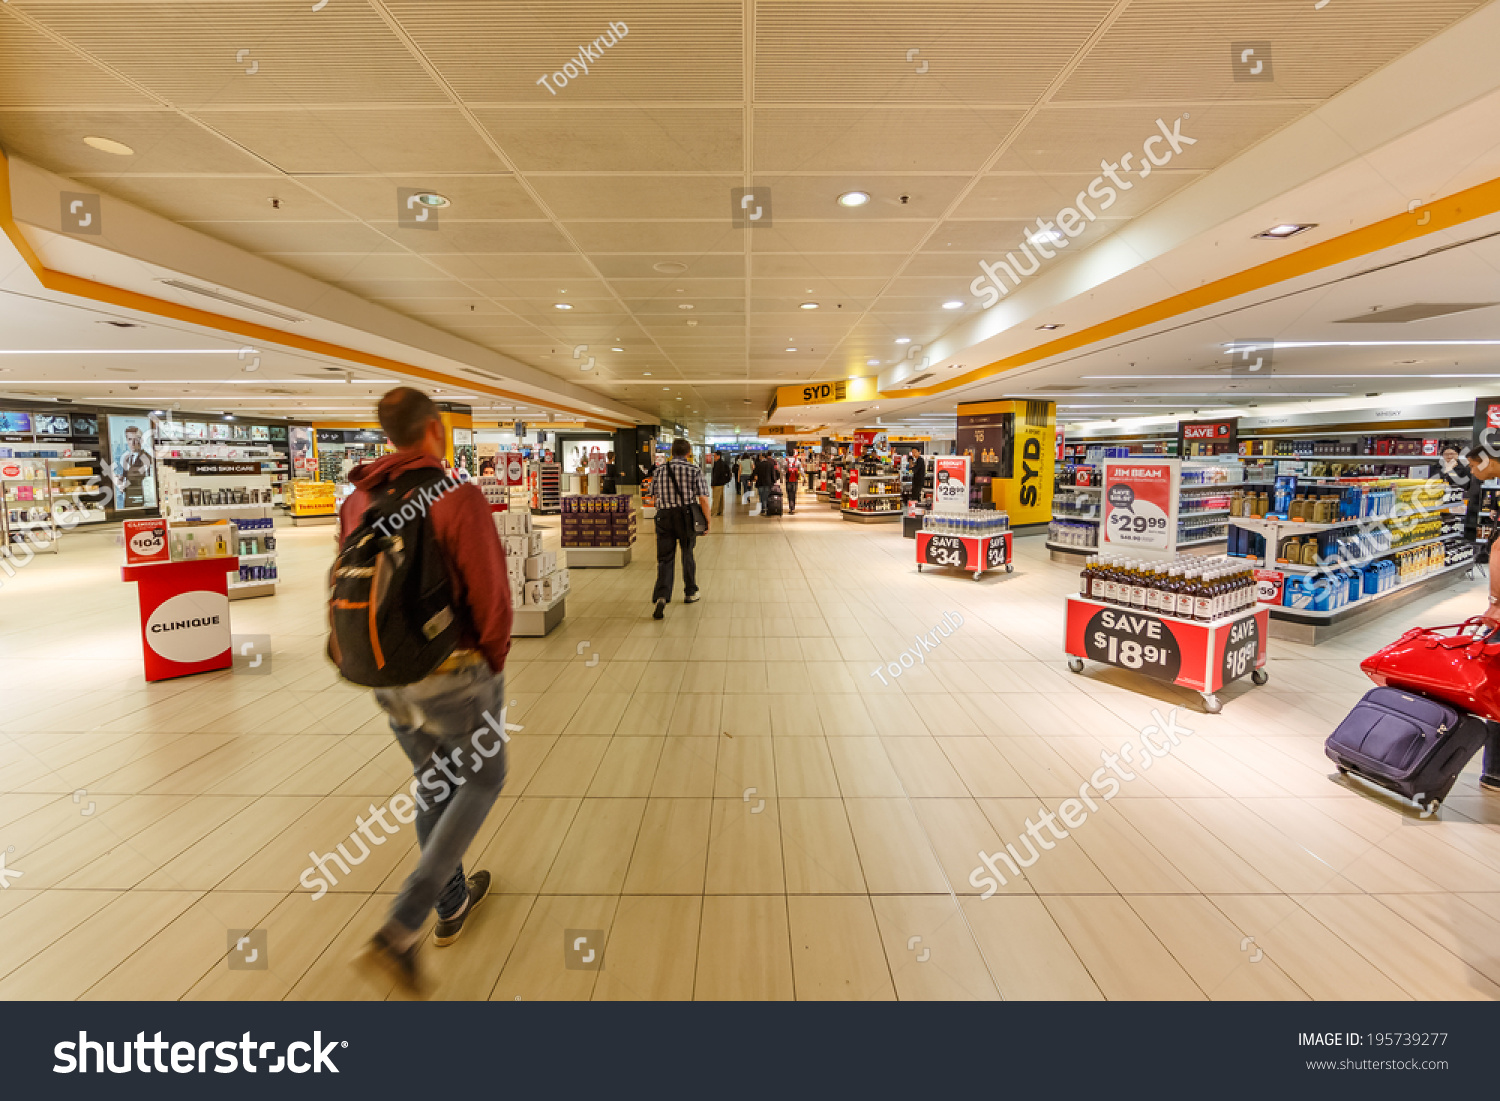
(730, 798)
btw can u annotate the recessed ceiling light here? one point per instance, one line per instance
(646, 373)
(430, 198)
(106, 145)
(955, 304)
(872, 363)
(854, 198)
(617, 349)
(903, 340)
(666, 388)
(1287, 229)
(1049, 326)
(1046, 237)
(684, 305)
(670, 267)
(791, 349)
(808, 306)
(562, 305)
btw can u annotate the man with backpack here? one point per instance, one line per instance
(421, 612)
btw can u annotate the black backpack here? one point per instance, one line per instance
(391, 615)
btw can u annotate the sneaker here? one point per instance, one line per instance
(661, 609)
(390, 963)
(1490, 783)
(693, 599)
(447, 929)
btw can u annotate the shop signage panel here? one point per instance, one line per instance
(950, 482)
(1140, 506)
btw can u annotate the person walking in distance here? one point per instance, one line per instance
(678, 485)
(765, 478)
(793, 476)
(747, 475)
(719, 479)
(436, 719)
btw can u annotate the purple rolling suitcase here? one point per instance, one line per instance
(1407, 743)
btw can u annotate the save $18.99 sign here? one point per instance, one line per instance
(1140, 505)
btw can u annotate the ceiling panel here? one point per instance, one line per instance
(261, 52)
(670, 49)
(225, 199)
(36, 71)
(624, 138)
(497, 196)
(645, 237)
(488, 237)
(384, 141)
(851, 50)
(164, 142)
(614, 197)
(298, 237)
(1169, 50)
(878, 139)
(1077, 139)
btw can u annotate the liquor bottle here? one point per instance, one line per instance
(1202, 604)
(1138, 587)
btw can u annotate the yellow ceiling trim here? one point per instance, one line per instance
(94, 291)
(1444, 213)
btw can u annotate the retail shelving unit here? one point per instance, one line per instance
(237, 490)
(29, 503)
(546, 488)
(1074, 530)
(873, 502)
(1284, 581)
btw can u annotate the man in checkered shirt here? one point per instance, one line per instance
(677, 485)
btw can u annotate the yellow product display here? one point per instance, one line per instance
(312, 499)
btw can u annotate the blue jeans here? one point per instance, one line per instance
(447, 724)
(764, 493)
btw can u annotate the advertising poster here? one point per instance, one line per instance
(1220, 437)
(131, 467)
(950, 484)
(300, 437)
(515, 469)
(1140, 506)
(219, 431)
(50, 424)
(11, 421)
(85, 425)
(194, 430)
(260, 432)
(985, 434)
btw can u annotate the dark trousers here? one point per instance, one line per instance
(791, 494)
(674, 526)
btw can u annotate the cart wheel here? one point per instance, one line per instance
(1010, 567)
(1260, 676)
(1075, 664)
(978, 574)
(919, 567)
(1212, 705)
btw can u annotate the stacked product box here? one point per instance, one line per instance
(598, 521)
(533, 572)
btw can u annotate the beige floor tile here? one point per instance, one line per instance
(1420, 965)
(652, 950)
(47, 916)
(468, 969)
(627, 768)
(538, 966)
(1315, 958)
(568, 769)
(1028, 955)
(1213, 950)
(671, 849)
(982, 768)
(203, 865)
(864, 768)
(687, 768)
(818, 848)
(525, 847)
(837, 953)
(931, 953)
(596, 853)
(894, 849)
(83, 955)
(172, 962)
(744, 855)
(804, 768)
(744, 950)
(1127, 961)
(298, 931)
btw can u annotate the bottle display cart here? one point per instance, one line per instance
(546, 488)
(313, 503)
(29, 513)
(1203, 656)
(977, 542)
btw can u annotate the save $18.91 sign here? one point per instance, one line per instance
(1140, 506)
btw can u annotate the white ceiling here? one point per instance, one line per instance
(981, 116)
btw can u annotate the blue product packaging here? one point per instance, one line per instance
(1322, 590)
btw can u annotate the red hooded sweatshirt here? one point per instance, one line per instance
(465, 530)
